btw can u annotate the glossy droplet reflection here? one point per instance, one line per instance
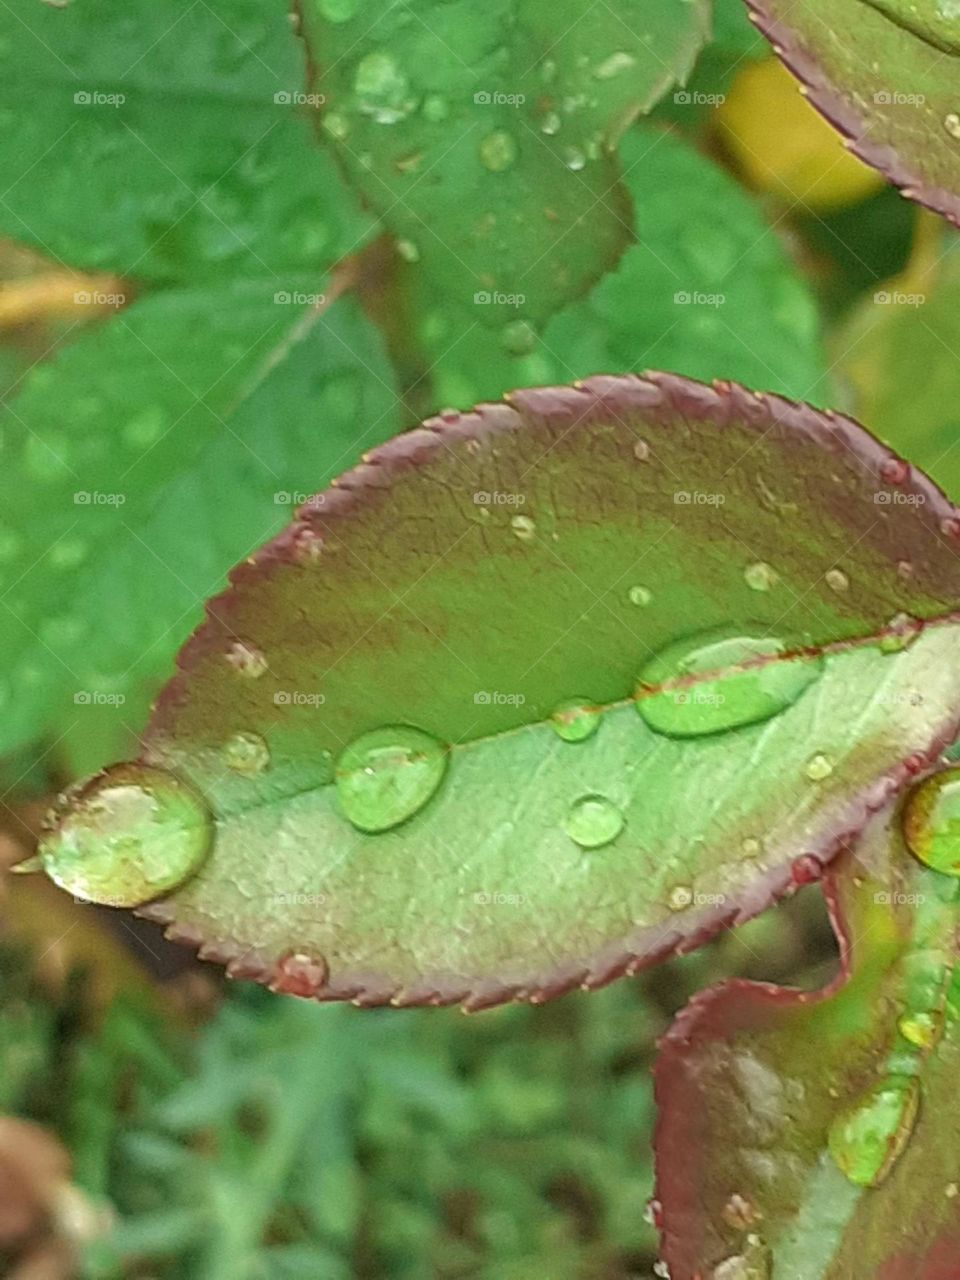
(931, 822)
(576, 720)
(126, 836)
(724, 697)
(867, 1140)
(593, 821)
(386, 776)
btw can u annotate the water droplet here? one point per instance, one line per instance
(382, 89)
(756, 1265)
(523, 528)
(921, 1028)
(837, 581)
(593, 821)
(574, 158)
(725, 698)
(246, 753)
(247, 659)
(639, 595)
(298, 974)
(337, 125)
(388, 775)
(931, 822)
(408, 251)
(550, 124)
(519, 338)
(615, 65)
(740, 1213)
(126, 836)
(867, 1140)
(818, 767)
(751, 847)
(498, 151)
(653, 1214)
(951, 123)
(576, 720)
(435, 108)
(641, 451)
(900, 633)
(680, 897)
(760, 576)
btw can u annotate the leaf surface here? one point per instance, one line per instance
(413, 594)
(885, 73)
(751, 1076)
(485, 135)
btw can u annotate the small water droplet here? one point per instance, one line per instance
(837, 581)
(951, 122)
(247, 659)
(900, 633)
(755, 1265)
(867, 1140)
(498, 151)
(751, 847)
(523, 528)
(337, 125)
(593, 821)
(408, 251)
(126, 836)
(760, 576)
(641, 451)
(246, 753)
(639, 595)
(576, 720)
(921, 1028)
(740, 1213)
(818, 767)
(615, 65)
(931, 822)
(574, 158)
(550, 124)
(435, 108)
(387, 775)
(730, 694)
(519, 338)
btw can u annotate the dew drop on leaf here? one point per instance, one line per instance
(246, 659)
(550, 124)
(837, 581)
(922, 1028)
(435, 108)
(641, 451)
(900, 633)
(498, 151)
(523, 528)
(931, 822)
(593, 821)
(246, 753)
(387, 775)
(639, 595)
(951, 123)
(728, 698)
(576, 720)
(760, 576)
(126, 836)
(818, 767)
(867, 1140)
(382, 88)
(574, 159)
(757, 1265)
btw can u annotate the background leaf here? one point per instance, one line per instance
(608, 563)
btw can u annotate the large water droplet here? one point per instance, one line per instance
(388, 775)
(382, 88)
(837, 581)
(126, 835)
(867, 1140)
(931, 822)
(576, 720)
(498, 151)
(593, 821)
(246, 753)
(722, 698)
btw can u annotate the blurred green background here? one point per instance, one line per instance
(155, 1121)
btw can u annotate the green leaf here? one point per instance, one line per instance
(169, 140)
(884, 72)
(484, 135)
(474, 576)
(761, 1092)
(707, 291)
(905, 326)
(147, 458)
